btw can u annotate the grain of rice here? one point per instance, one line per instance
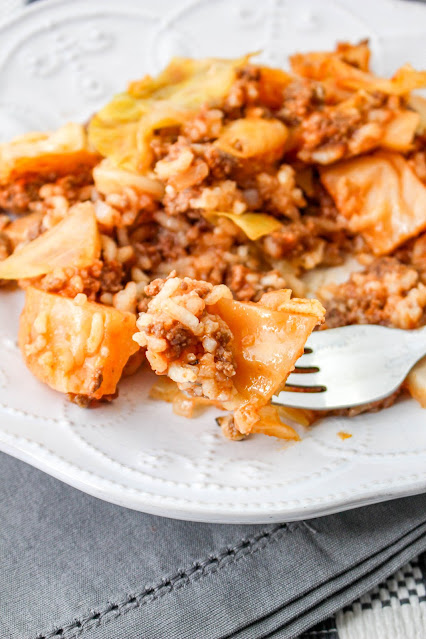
(239, 207)
(180, 314)
(117, 200)
(220, 291)
(125, 253)
(129, 217)
(157, 344)
(36, 346)
(145, 319)
(126, 299)
(46, 359)
(105, 214)
(96, 334)
(209, 344)
(76, 283)
(80, 299)
(192, 302)
(166, 168)
(49, 190)
(140, 290)
(40, 323)
(158, 362)
(169, 222)
(66, 360)
(60, 204)
(210, 326)
(144, 262)
(140, 339)
(181, 374)
(122, 237)
(170, 286)
(138, 275)
(106, 298)
(109, 248)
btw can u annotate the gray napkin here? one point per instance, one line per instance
(72, 565)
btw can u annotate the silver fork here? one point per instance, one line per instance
(351, 366)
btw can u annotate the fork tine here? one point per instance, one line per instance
(308, 360)
(304, 379)
(303, 370)
(314, 401)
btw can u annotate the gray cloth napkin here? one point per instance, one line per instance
(72, 565)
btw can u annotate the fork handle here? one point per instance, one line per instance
(417, 338)
(413, 345)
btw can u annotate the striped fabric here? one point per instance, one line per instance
(395, 609)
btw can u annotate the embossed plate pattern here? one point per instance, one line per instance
(61, 60)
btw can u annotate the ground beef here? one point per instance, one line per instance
(349, 128)
(185, 339)
(387, 292)
(300, 97)
(249, 285)
(100, 278)
(70, 281)
(244, 91)
(17, 196)
(111, 277)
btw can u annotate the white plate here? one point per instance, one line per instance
(62, 60)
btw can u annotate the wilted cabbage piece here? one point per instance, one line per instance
(75, 241)
(316, 64)
(358, 55)
(60, 152)
(126, 141)
(111, 179)
(338, 69)
(123, 129)
(24, 228)
(73, 345)
(268, 338)
(272, 83)
(380, 196)
(254, 225)
(253, 138)
(416, 382)
(400, 131)
(271, 424)
(189, 82)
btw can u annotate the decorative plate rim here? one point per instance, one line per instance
(92, 475)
